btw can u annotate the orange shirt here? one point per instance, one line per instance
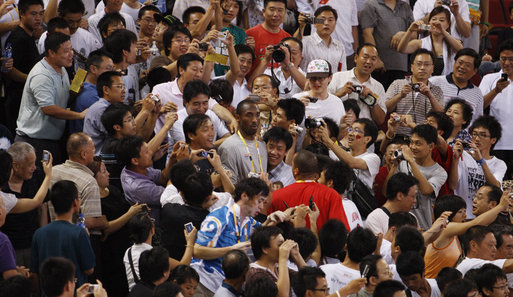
(438, 258)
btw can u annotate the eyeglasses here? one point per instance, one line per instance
(326, 291)
(420, 64)
(349, 130)
(504, 59)
(464, 64)
(119, 86)
(481, 135)
(186, 40)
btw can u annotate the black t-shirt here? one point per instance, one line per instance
(24, 52)
(20, 227)
(113, 207)
(109, 157)
(173, 217)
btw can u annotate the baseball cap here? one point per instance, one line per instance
(318, 68)
(167, 18)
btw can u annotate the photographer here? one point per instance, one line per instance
(318, 102)
(289, 53)
(416, 160)
(415, 96)
(358, 84)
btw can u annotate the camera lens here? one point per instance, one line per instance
(278, 55)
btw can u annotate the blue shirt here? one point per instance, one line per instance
(44, 87)
(87, 97)
(219, 230)
(93, 124)
(63, 239)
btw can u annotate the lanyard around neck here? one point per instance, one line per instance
(249, 154)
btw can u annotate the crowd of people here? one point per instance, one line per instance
(226, 148)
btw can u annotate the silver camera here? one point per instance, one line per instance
(398, 155)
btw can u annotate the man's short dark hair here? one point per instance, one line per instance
(186, 16)
(326, 8)
(468, 111)
(506, 45)
(370, 261)
(487, 277)
(221, 90)
(369, 129)
(158, 75)
(261, 285)
(351, 104)
(183, 273)
(153, 264)
(307, 280)
(140, 227)
(401, 218)
(114, 115)
(426, 132)
(17, 285)
(110, 18)
(54, 274)
(305, 162)
(96, 58)
(197, 188)
(360, 243)
(261, 238)
(410, 263)
(56, 23)
(235, 264)
(54, 41)
(244, 49)
(179, 172)
(494, 194)
(129, 147)
(184, 61)
(447, 275)
(146, 8)
(469, 52)
(409, 239)
(62, 196)
(166, 289)
(443, 122)
(499, 230)
(70, 6)
(195, 88)
(388, 288)
(268, 1)
(23, 5)
(422, 51)
(491, 124)
(476, 234)
(278, 134)
(333, 128)
(340, 173)
(399, 183)
(169, 34)
(251, 186)
(332, 238)
(459, 288)
(365, 44)
(305, 239)
(106, 80)
(119, 41)
(295, 40)
(192, 123)
(294, 109)
(449, 202)
(241, 106)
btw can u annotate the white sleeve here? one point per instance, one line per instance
(438, 180)
(170, 195)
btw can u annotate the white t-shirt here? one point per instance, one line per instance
(435, 291)
(377, 221)
(171, 195)
(240, 92)
(176, 133)
(341, 78)
(353, 215)
(95, 19)
(501, 108)
(386, 251)
(137, 250)
(367, 176)
(286, 83)
(124, 8)
(472, 178)
(338, 276)
(471, 263)
(331, 107)
(10, 201)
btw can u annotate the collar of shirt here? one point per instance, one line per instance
(175, 90)
(236, 209)
(231, 289)
(318, 40)
(51, 69)
(76, 165)
(276, 171)
(355, 79)
(136, 175)
(244, 83)
(451, 81)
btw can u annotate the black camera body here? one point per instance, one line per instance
(358, 89)
(278, 54)
(415, 87)
(203, 47)
(313, 123)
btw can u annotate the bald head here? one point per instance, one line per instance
(305, 162)
(80, 148)
(235, 264)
